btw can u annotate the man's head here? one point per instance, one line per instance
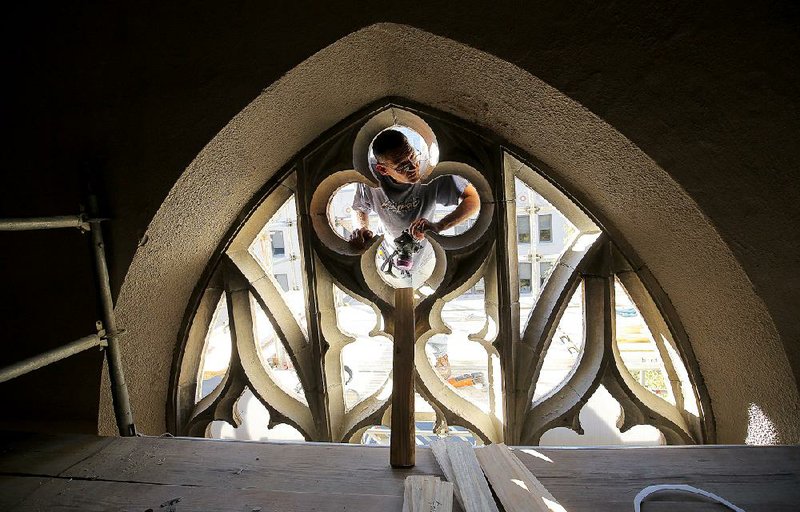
(396, 157)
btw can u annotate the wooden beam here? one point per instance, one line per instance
(515, 486)
(403, 441)
(426, 493)
(457, 459)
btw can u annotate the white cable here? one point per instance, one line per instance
(647, 491)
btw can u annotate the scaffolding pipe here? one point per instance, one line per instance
(51, 356)
(119, 390)
(65, 221)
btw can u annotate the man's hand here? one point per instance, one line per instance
(420, 226)
(470, 204)
(360, 238)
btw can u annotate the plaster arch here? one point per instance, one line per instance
(734, 339)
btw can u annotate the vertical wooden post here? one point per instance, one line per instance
(403, 439)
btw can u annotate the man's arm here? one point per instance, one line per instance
(360, 220)
(361, 235)
(470, 203)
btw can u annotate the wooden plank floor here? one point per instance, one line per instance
(71, 472)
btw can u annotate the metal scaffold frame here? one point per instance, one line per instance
(107, 335)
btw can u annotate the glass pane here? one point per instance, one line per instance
(523, 229)
(525, 279)
(255, 418)
(554, 234)
(367, 361)
(462, 363)
(273, 354)
(216, 352)
(639, 352)
(545, 227)
(277, 250)
(565, 349)
(599, 421)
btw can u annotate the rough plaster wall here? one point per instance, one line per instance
(724, 318)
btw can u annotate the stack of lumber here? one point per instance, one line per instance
(457, 459)
(514, 485)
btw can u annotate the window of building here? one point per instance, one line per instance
(278, 247)
(545, 227)
(525, 278)
(263, 351)
(283, 280)
(524, 229)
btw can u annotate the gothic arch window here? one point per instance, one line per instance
(541, 314)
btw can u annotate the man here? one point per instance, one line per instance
(403, 203)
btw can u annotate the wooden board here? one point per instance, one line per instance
(439, 449)
(403, 439)
(101, 496)
(231, 475)
(462, 466)
(291, 467)
(513, 483)
(425, 493)
(16, 490)
(755, 478)
(44, 454)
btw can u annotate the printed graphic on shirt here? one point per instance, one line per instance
(401, 208)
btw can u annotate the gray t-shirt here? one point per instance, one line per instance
(400, 204)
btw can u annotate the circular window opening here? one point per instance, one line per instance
(341, 216)
(428, 156)
(404, 263)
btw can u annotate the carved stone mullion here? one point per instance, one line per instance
(283, 408)
(191, 365)
(221, 407)
(561, 408)
(337, 340)
(220, 404)
(684, 346)
(319, 401)
(656, 325)
(369, 411)
(546, 315)
(280, 316)
(455, 409)
(640, 409)
(263, 213)
(450, 406)
(639, 405)
(660, 317)
(508, 335)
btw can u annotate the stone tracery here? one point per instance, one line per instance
(486, 251)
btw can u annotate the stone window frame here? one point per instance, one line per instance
(313, 176)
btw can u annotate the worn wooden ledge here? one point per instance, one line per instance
(74, 472)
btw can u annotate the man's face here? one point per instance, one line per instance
(402, 169)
